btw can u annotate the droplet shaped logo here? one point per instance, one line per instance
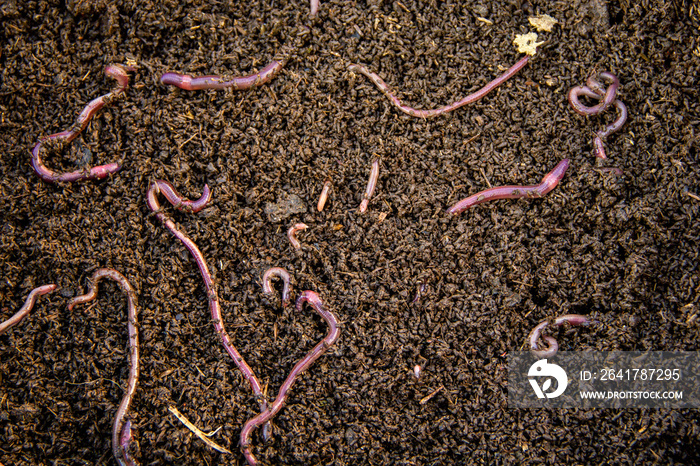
(541, 369)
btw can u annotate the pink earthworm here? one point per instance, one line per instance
(291, 234)
(552, 345)
(333, 333)
(549, 182)
(121, 431)
(384, 88)
(314, 7)
(324, 195)
(196, 83)
(267, 282)
(26, 307)
(183, 204)
(595, 90)
(60, 140)
(371, 184)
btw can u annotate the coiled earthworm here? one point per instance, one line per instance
(26, 307)
(371, 184)
(549, 182)
(324, 196)
(384, 88)
(121, 431)
(267, 282)
(291, 234)
(595, 90)
(183, 204)
(60, 140)
(190, 83)
(333, 333)
(552, 345)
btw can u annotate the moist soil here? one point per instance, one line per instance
(410, 284)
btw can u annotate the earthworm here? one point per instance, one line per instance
(59, 140)
(183, 204)
(324, 196)
(549, 182)
(595, 90)
(552, 345)
(333, 333)
(371, 184)
(291, 234)
(384, 88)
(267, 282)
(121, 431)
(314, 7)
(26, 307)
(192, 83)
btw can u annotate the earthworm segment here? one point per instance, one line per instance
(185, 205)
(549, 182)
(552, 345)
(267, 282)
(384, 88)
(26, 307)
(240, 83)
(58, 141)
(121, 431)
(264, 417)
(292, 234)
(371, 185)
(607, 96)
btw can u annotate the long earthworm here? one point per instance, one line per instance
(264, 417)
(549, 182)
(324, 196)
(384, 88)
(371, 184)
(185, 205)
(121, 430)
(552, 346)
(595, 90)
(267, 282)
(60, 140)
(292, 234)
(26, 307)
(240, 83)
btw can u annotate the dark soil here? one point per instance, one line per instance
(623, 249)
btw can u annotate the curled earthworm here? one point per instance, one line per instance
(121, 431)
(26, 307)
(595, 90)
(552, 345)
(292, 232)
(60, 140)
(384, 88)
(324, 196)
(333, 333)
(183, 204)
(549, 182)
(196, 83)
(267, 282)
(371, 184)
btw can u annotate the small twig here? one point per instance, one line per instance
(425, 399)
(202, 436)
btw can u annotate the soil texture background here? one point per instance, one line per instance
(410, 283)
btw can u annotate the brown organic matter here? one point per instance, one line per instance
(622, 249)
